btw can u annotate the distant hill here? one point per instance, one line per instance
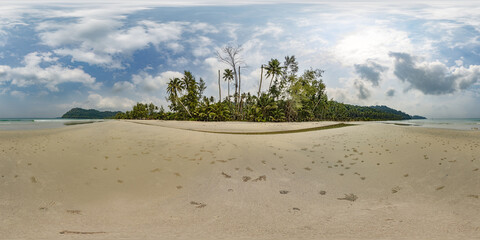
(418, 117)
(398, 114)
(80, 113)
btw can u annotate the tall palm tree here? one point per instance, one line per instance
(228, 77)
(173, 88)
(290, 64)
(273, 69)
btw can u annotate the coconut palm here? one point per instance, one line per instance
(290, 64)
(273, 69)
(173, 88)
(228, 77)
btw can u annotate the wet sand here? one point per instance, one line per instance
(165, 180)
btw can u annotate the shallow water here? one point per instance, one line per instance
(32, 123)
(445, 123)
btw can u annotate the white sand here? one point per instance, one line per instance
(123, 180)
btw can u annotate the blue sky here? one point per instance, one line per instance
(421, 58)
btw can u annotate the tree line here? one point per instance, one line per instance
(290, 97)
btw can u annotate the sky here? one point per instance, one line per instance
(422, 58)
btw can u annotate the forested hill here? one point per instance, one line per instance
(80, 113)
(404, 116)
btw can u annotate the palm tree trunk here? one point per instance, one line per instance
(261, 76)
(236, 83)
(178, 100)
(271, 80)
(228, 82)
(219, 89)
(239, 85)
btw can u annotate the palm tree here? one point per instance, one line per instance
(173, 88)
(228, 76)
(290, 64)
(273, 69)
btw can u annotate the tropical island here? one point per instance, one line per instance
(80, 113)
(291, 97)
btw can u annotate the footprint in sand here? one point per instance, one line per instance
(78, 212)
(119, 181)
(226, 175)
(323, 192)
(349, 197)
(198, 205)
(284, 191)
(396, 189)
(177, 174)
(179, 187)
(307, 168)
(246, 178)
(33, 180)
(261, 178)
(439, 188)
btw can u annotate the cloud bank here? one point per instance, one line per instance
(433, 78)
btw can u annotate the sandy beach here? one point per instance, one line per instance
(167, 180)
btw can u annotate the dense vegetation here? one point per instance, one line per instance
(79, 113)
(290, 97)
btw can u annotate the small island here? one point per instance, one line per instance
(80, 113)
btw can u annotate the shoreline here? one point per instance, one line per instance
(280, 126)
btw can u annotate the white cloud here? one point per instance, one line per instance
(177, 62)
(3, 37)
(50, 77)
(204, 27)
(148, 83)
(100, 41)
(18, 94)
(123, 86)
(202, 46)
(99, 102)
(271, 29)
(231, 29)
(371, 43)
(79, 55)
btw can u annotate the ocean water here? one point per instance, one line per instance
(446, 123)
(42, 123)
(39, 123)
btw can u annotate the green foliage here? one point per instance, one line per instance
(141, 111)
(289, 98)
(80, 113)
